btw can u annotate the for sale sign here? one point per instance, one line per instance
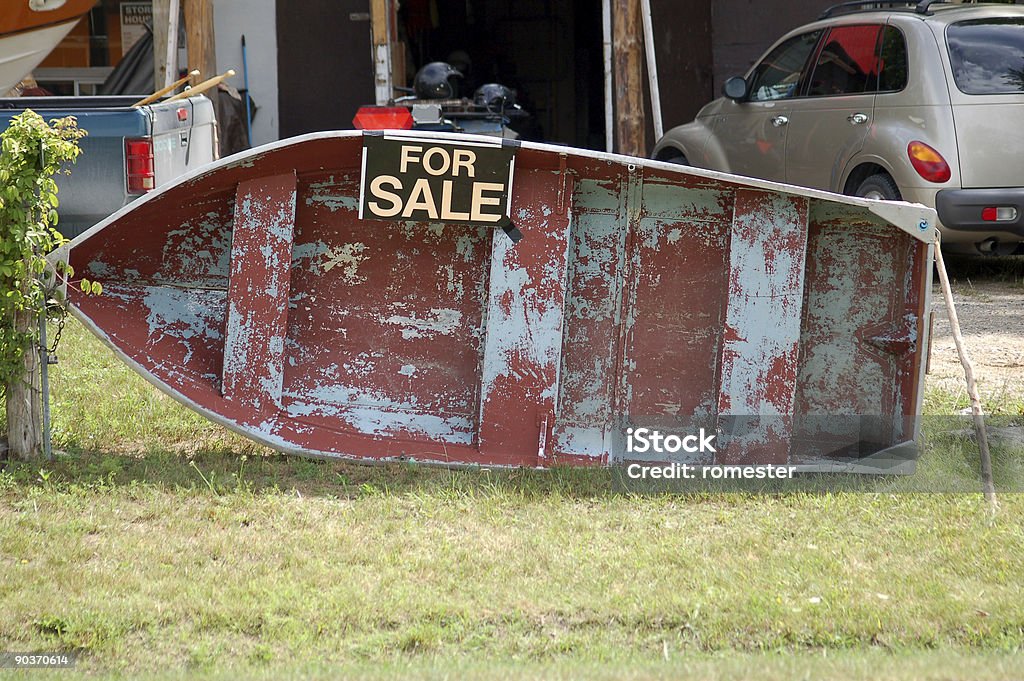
(423, 179)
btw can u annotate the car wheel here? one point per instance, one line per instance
(879, 187)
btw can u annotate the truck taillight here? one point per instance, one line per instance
(138, 165)
(382, 118)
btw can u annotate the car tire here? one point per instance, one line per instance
(880, 187)
(677, 159)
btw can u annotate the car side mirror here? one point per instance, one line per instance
(735, 88)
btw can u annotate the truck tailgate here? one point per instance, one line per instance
(181, 132)
(183, 137)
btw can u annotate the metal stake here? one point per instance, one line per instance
(44, 380)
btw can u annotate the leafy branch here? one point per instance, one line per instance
(32, 152)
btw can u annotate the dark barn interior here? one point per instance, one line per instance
(549, 51)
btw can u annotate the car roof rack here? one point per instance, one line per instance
(920, 7)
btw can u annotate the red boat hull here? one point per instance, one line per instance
(642, 294)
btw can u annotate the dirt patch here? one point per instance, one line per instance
(990, 306)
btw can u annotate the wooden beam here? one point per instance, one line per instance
(609, 97)
(161, 30)
(199, 37)
(165, 42)
(24, 403)
(397, 48)
(762, 331)
(258, 290)
(652, 69)
(380, 20)
(629, 114)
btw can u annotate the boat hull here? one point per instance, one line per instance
(29, 30)
(24, 15)
(789, 323)
(22, 52)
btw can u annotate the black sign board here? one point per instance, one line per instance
(419, 178)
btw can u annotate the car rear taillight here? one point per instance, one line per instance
(928, 163)
(382, 118)
(138, 165)
(999, 214)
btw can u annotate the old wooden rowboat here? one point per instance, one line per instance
(790, 323)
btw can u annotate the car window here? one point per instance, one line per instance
(778, 76)
(892, 76)
(987, 55)
(847, 63)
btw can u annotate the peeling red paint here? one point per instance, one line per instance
(640, 294)
(258, 291)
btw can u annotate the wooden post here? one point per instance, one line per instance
(629, 114)
(25, 436)
(987, 482)
(165, 42)
(397, 48)
(609, 97)
(379, 11)
(652, 69)
(199, 37)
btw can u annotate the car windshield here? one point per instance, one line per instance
(987, 55)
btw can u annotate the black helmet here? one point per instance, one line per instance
(494, 97)
(432, 81)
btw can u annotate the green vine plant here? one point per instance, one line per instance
(32, 152)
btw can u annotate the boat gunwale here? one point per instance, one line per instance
(907, 217)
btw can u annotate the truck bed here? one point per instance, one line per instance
(181, 133)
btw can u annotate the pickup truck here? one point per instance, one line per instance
(128, 151)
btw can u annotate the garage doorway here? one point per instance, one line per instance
(549, 51)
(323, 64)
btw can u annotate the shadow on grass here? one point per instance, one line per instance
(221, 471)
(1005, 269)
(949, 464)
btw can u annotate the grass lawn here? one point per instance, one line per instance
(160, 545)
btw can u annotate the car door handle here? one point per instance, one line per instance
(857, 119)
(780, 121)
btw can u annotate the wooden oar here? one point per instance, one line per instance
(163, 91)
(203, 87)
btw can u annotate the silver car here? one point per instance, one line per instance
(923, 104)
